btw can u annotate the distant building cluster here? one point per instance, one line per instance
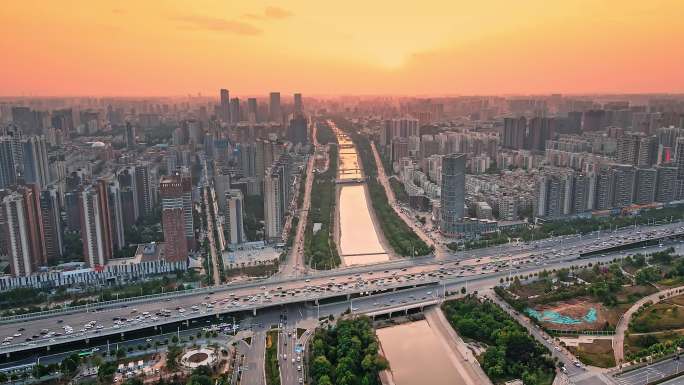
(546, 157)
(88, 180)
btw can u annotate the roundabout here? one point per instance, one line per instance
(199, 357)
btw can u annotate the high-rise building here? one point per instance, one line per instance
(252, 110)
(665, 185)
(24, 118)
(400, 128)
(623, 185)
(400, 149)
(221, 187)
(594, 120)
(645, 185)
(144, 189)
(648, 152)
(175, 241)
(453, 193)
(275, 113)
(233, 218)
(235, 114)
(298, 106)
(35, 162)
(604, 189)
(224, 107)
(95, 224)
(8, 169)
(555, 194)
(273, 224)
(679, 157)
(277, 195)
(176, 192)
(52, 223)
(637, 149)
(539, 131)
(297, 131)
(247, 160)
(116, 214)
(130, 135)
(514, 132)
(22, 229)
(584, 190)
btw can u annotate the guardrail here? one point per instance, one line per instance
(418, 261)
(446, 282)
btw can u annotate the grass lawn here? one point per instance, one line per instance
(635, 343)
(659, 317)
(598, 353)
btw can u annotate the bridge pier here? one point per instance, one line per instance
(316, 301)
(155, 327)
(394, 289)
(7, 354)
(254, 312)
(47, 348)
(122, 336)
(87, 340)
(348, 296)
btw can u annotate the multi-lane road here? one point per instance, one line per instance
(119, 317)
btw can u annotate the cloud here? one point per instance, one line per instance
(220, 25)
(270, 12)
(277, 13)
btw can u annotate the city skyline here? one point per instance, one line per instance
(438, 48)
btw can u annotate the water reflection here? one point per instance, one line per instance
(359, 242)
(417, 356)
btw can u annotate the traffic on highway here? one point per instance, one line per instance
(45, 330)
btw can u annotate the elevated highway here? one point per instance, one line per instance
(451, 274)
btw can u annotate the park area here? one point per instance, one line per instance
(656, 328)
(593, 297)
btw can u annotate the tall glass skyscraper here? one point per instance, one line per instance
(453, 193)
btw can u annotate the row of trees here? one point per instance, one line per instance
(399, 190)
(320, 249)
(400, 236)
(346, 354)
(31, 300)
(512, 352)
(573, 226)
(324, 134)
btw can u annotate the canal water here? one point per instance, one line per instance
(359, 242)
(417, 356)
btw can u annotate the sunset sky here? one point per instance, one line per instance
(176, 47)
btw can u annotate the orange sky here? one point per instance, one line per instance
(175, 47)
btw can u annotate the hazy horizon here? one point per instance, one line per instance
(156, 49)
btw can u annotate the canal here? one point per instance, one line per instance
(359, 242)
(416, 355)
